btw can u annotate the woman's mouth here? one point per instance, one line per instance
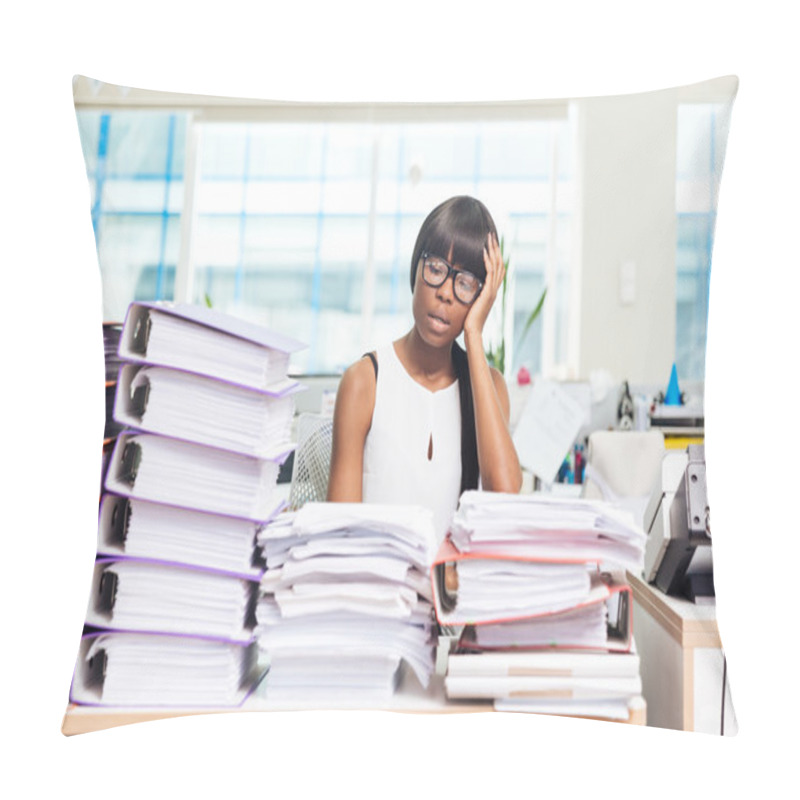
(440, 323)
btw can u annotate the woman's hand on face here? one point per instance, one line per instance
(495, 272)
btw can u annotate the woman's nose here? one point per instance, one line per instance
(445, 291)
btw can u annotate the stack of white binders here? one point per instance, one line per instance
(207, 409)
(346, 597)
(538, 584)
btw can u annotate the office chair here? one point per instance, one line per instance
(622, 467)
(312, 460)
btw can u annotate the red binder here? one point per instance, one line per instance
(607, 590)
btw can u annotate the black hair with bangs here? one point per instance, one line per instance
(461, 224)
(457, 231)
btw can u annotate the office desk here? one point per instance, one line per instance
(410, 698)
(681, 662)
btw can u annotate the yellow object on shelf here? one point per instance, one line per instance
(681, 442)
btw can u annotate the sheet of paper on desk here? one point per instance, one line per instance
(547, 428)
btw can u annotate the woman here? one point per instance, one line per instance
(421, 420)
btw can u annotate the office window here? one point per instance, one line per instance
(702, 133)
(309, 227)
(135, 169)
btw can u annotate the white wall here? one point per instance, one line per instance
(625, 214)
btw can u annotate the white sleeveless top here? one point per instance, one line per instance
(406, 421)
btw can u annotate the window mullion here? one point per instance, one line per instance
(551, 358)
(184, 270)
(368, 295)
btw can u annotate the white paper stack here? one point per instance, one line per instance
(549, 529)
(193, 478)
(581, 626)
(346, 599)
(538, 582)
(529, 679)
(492, 589)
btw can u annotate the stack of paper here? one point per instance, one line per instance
(490, 589)
(581, 626)
(532, 680)
(538, 582)
(191, 481)
(548, 528)
(346, 598)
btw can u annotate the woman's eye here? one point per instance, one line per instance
(436, 269)
(466, 282)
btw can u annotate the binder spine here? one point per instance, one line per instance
(120, 520)
(107, 590)
(129, 463)
(141, 332)
(139, 398)
(96, 669)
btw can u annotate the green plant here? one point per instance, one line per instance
(497, 358)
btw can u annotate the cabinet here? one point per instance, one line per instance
(682, 662)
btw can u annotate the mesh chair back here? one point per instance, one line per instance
(312, 460)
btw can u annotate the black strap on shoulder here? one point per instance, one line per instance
(371, 357)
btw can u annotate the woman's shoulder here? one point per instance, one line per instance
(355, 398)
(360, 376)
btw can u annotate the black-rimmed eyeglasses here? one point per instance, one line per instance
(435, 271)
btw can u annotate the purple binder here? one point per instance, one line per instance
(133, 450)
(235, 332)
(95, 661)
(113, 530)
(103, 601)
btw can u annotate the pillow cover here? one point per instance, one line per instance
(296, 222)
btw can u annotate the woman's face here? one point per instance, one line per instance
(438, 315)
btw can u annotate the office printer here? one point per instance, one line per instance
(678, 550)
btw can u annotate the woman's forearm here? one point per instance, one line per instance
(497, 457)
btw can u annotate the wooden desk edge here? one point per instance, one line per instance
(86, 721)
(77, 723)
(687, 632)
